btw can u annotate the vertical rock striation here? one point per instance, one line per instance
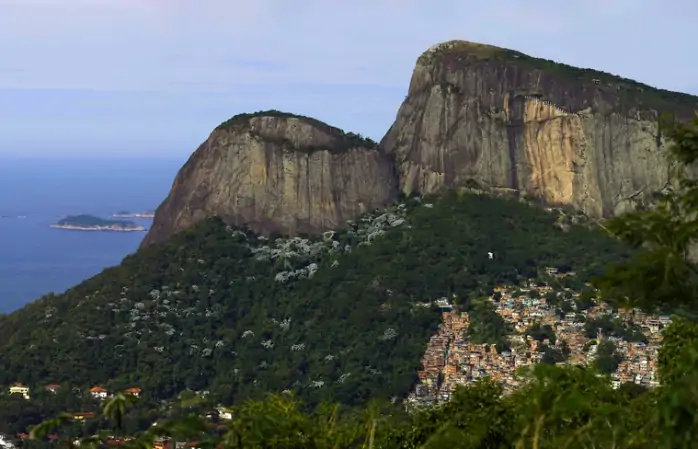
(473, 113)
(276, 172)
(508, 121)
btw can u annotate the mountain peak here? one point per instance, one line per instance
(457, 46)
(277, 172)
(459, 55)
(474, 112)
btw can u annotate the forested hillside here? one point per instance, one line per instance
(329, 318)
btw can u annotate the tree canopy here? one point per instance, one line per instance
(559, 407)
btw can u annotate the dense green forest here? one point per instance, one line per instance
(559, 407)
(328, 318)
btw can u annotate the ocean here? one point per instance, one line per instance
(34, 193)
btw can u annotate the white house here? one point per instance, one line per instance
(99, 392)
(224, 413)
(5, 442)
(19, 388)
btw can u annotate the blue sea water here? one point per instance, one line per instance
(36, 259)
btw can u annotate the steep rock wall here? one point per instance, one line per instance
(494, 116)
(274, 173)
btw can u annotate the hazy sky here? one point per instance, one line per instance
(155, 76)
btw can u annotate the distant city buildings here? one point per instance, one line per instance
(451, 360)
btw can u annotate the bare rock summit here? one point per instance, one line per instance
(275, 172)
(511, 122)
(474, 115)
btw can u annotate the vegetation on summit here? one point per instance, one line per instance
(244, 118)
(344, 140)
(647, 96)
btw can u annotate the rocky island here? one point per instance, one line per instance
(92, 223)
(127, 214)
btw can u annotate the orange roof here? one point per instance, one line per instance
(98, 390)
(52, 386)
(19, 385)
(132, 390)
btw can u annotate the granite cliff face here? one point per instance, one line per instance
(508, 121)
(474, 114)
(276, 172)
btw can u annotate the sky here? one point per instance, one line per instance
(154, 77)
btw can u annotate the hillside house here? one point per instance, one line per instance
(99, 392)
(82, 416)
(6, 442)
(52, 388)
(19, 388)
(443, 304)
(164, 444)
(224, 413)
(187, 445)
(665, 320)
(135, 391)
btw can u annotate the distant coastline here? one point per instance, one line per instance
(99, 228)
(92, 223)
(125, 214)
